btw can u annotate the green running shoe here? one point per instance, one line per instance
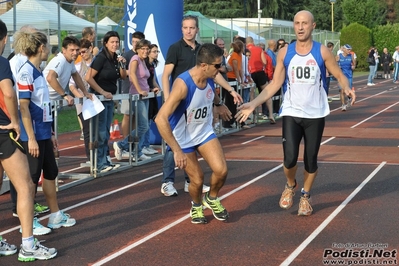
(197, 215)
(40, 208)
(217, 208)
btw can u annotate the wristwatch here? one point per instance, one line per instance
(63, 96)
(220, 103)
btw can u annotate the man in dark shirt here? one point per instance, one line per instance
(182, 56)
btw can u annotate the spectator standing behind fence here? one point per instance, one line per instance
(59, 71)
(102, 78)
(372, 65)
(36, 126)
(304, 106)
(257, 64)
(125, 104)
(89, 34)
(138, 75)
(236, 74)
(86, 52)
(14, 162)
(193, 93)
(151, 62)
(386, 62)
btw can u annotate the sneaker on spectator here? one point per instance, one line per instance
(38, 228)
(117, 151)
(149, 151)
(168, 189)
(61, 220)
(370, 84)
(6, 249)
(197, 215)
(38, 252)
(125, 155)
(304, 206)
(219, 212)
(40, 208)
(144, 157)
(287, 195)
(115, 166)
(205, 188)
(106, 168)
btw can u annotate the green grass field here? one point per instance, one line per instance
(68, 120)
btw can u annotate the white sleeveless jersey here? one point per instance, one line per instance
(305, 92)
(191, 122)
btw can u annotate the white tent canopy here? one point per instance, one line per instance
(107, 22)
(44, 16)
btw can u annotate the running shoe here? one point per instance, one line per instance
(219, 212)
(343, 107)
(40, 208)
(205, 188)
(304, 206)
(287, 195)
(61, 220)
(38, 252)
(149, 151)
(106, 168)
(197, 215)
(117, 151)
(38, 228)
(168, 189)
(6, 249)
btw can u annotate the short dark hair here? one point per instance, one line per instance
(216, 40)
(70, 40)
(138, 35)
(208, 53)
(330, 44)
(3, 30)
(188, 17)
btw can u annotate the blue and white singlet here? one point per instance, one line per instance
(191, 122)
(305, 92)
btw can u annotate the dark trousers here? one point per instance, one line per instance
(229, 102)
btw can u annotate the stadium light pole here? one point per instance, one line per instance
(332, 14)
(259, 17)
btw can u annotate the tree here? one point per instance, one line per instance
(369, 13)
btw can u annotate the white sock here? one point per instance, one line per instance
(55, 214)
(27, 242)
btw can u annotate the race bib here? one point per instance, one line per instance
(198, 115)
(47, 114)
(303, 74)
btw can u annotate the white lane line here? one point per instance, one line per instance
(324, 224)
(253, 140)
(71, 147)
(361, 122)
(178, 221)
(327, 140)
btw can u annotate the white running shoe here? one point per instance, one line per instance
(149, 151)
(6, 249)
(205, 188)
(38, 229)
(144, 157)
(370, 84)
(61, 220)
(168, 189)
(117, 151)
(343, 108)
(38, 252)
